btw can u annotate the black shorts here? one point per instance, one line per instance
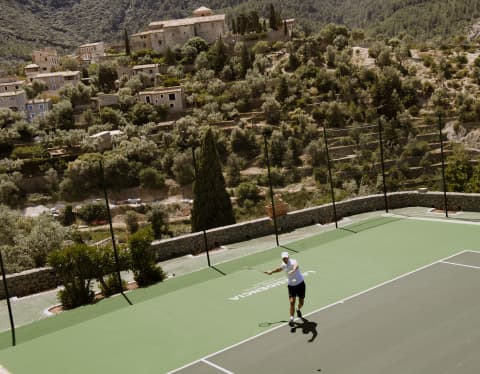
(298, 290)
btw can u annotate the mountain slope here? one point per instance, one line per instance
(28, 24)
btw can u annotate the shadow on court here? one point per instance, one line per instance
(307, 327)
(290, 249)
(369, 224)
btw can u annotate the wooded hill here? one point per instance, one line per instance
(28, 24)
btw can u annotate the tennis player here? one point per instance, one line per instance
(296, 284)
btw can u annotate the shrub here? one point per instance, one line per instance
(131, 221)
(247, 191)
(93, 212)
(158, 218)
(151, 178)
(68, 217)
(143, 259)
(31, 151)
(74, 267)
(110, 286)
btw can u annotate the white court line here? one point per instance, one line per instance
(462, 265)
(319, 310)
(431, 219)
(217, 367)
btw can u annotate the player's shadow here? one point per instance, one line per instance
(307, 327)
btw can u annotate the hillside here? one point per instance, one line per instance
(27, 24)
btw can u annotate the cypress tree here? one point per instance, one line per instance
(211, 205)
(282, 90)
(246, 60)
(127, 43)
(272, 19)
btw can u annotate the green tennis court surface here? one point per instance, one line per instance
(410, 292)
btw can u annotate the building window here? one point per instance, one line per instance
(40, 106)
(30, 107)
(147, 99)
(32, 115)
(161, 96)
(172, 105)
(171, 97)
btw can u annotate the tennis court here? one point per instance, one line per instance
(387, 294)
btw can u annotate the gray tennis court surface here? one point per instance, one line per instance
(426, 321)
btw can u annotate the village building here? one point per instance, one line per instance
(91, 52)
(103, 100)
(47, 60)
(105, 139)
(14, 100)
(37, 108)
(55, 81)
(170, 33)
(150, 71)
(31, 70)
(170, 97)
(11, 85)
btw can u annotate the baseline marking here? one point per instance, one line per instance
(431, 219)
(217, 367)
(462, 265)
(341, 301)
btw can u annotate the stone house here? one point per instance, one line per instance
(105, 139)
(55, 81)
(170, 97)
(170, 33)
(92, 52)
(31, 70)
(37, 108)
(149, 70)
(11, 85)
(14, 100)
(47, 59)
(103, 100)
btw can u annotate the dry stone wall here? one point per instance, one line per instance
(38, 280)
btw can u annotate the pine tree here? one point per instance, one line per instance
(211, 205)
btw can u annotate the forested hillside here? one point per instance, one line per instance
(26, 24)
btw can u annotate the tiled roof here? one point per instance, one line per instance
(186, 21)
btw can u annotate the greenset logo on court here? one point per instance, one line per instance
(265, 286)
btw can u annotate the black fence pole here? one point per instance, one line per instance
(443, 165)
(117, 265)
(7, 296)
(332, 192)
(274, 216)
(383, 164)
(205, 239)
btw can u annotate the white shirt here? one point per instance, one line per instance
(296, 277)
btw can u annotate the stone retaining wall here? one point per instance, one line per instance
(38, 280)
(29, 282)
